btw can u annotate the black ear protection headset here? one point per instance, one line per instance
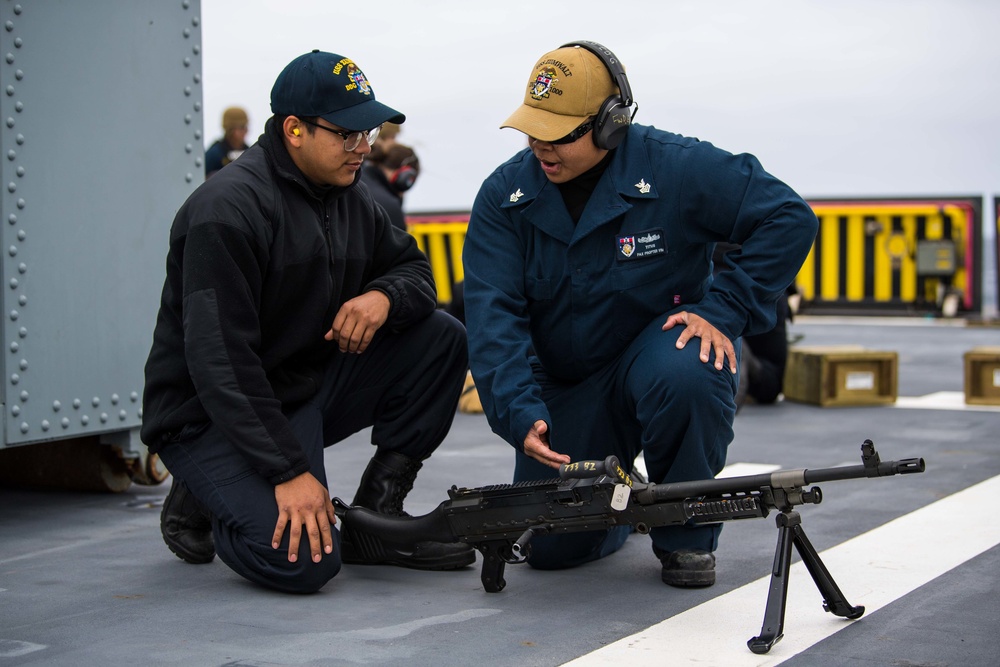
(404, 176)
(616, 113)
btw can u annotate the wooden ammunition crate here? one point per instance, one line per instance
(982, 376)
(840, 375)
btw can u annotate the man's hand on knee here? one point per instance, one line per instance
(711, 338)
(303, 501)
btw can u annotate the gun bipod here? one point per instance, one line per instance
(790, 532)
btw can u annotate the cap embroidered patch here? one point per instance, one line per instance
(355, 75)
(543, 83)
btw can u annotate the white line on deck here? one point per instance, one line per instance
(873, 569)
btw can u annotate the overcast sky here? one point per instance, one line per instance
(837, 98)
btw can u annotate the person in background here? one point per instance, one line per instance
(294, 315)
(595, 325)
(235, 126)
(390, 177)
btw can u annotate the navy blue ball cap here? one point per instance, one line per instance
(331, 87)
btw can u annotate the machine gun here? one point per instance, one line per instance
(500, 521)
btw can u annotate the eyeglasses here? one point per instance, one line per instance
(351, 139)
(575, 134)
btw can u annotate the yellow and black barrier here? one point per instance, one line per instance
(441, 237)
(895, 255)
(899, 255)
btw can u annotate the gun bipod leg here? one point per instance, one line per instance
(833, 599)
(777, 593)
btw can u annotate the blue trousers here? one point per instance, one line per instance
(654, 399)
(405, 385)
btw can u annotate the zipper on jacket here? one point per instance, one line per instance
(329, 235)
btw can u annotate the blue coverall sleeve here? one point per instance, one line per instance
(497, 318)
(734, 195)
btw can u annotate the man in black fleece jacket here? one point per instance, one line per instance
(293, 314)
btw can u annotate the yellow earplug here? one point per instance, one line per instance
(295, 132)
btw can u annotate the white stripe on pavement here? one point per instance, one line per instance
(873, 569)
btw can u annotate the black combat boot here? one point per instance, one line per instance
(387, 479)
(686, 568)
(187, 526)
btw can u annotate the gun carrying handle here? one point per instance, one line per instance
(586, 469)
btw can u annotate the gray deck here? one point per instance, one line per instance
(85, 578)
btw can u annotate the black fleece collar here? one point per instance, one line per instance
(274, 146)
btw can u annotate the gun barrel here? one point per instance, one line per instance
(784, 479)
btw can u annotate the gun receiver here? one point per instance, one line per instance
(501, 520)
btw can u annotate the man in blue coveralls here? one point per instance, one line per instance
(595, 325)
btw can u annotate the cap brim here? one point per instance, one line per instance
(543, 125)
(364, 116)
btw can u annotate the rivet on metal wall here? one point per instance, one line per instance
(12, 251)
(196, 49)
(56, 406)
(134, 396)
(188, 177)
(12, 219)
(19, 106)
(18, 74)
(197, 78)
(9, 58)
(85, 419)
(122, 415)
(104, 417)
(187, 33)
(187, 91)
(22, 268)
(188, 148)
(15, 378)
(10, 122)
(14, 347)
(187, 118)
(23, 332)
(15, 410)
(20, 171)
(187, 62)
(95, 401)
(24, 427)
(10, 91)
(45, 424)
(77, 403)
(197, 134)
(18, 43)
(17, 9)
(195, 21)
(23, 365)
(19, 139)
(11, 155)
(197, 162)
(14, 283)
(64, 422)
(22, 300)
(197, 106)
(24, 395)
(114, 399)
(21, 203)
(9, 25)
(12, 187)
(21, 235)
(186, 4)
